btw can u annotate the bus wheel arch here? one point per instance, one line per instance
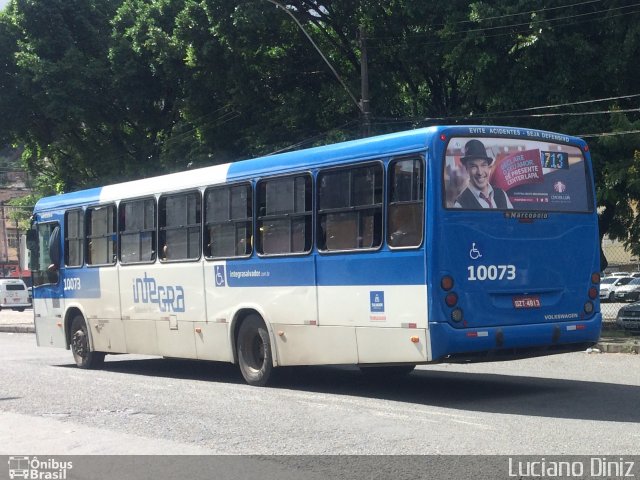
(79, 341)
(253, 347)
(70, 315)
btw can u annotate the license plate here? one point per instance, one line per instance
(526, 301)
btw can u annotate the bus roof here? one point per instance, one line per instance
(383, 145)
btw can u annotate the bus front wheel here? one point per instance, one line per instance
(80, 347)
(254, 351)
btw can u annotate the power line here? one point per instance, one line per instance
(217, 122)
(535, 22)
(311, 139)
(484, 19)
(488, 116)
(522, 31)
(582, 102)
(530, 11)
(560, 114)
(527, 109)
(521, 24)
(609, 134)
(8, 206)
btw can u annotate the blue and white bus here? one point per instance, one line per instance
(444, 244)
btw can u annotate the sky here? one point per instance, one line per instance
(3, 3)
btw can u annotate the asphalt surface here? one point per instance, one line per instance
(566, 404)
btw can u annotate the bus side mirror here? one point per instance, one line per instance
(32, 237)
(28, 244)
(54, 250)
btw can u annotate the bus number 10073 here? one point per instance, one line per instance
(491, 272)
(72, 283)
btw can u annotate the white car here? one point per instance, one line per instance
(629, 292)
(609, 285)
(13, 294)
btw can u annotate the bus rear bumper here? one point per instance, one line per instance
(455, 345)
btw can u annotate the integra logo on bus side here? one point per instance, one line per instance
(169, 298)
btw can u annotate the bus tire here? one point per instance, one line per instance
(254, 351)
(388, 371)
(82, 354)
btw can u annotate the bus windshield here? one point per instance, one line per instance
(515, 173)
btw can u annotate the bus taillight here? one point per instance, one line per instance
(456, 314)
(451, 299)
(446, 283)
(595, 278)
(593, 293)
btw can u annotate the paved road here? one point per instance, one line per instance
(567, 404)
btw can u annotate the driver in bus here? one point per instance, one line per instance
(479, 192)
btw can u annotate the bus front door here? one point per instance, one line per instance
(48, 301)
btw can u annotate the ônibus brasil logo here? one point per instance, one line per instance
(36, 469)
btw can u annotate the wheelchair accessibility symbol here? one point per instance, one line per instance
(474, 253)
(219, 272)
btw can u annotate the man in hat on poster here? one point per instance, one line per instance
(479, 193)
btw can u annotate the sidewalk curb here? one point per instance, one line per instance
(17, 329)
(626, 347)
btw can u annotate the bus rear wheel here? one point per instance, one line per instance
(254, 351)
(80, 347)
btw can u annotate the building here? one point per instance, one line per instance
(13, 184)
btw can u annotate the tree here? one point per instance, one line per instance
(105, 90)
(20, 213)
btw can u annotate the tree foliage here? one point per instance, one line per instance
(104, 90)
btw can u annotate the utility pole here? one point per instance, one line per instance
(333, 70)
(363, 104)
(18, 250)
(364, 84)
(5, 242)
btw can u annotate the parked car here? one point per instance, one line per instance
(629, 317)
(13, 294)
(608, 287)
(618, 274)
(629, 292)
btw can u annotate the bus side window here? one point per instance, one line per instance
(179, 223)
(101, 235)
(137, 230)
(228, 214)
(405, 203)
(284, 222)
(74, 238)
(350, 208)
